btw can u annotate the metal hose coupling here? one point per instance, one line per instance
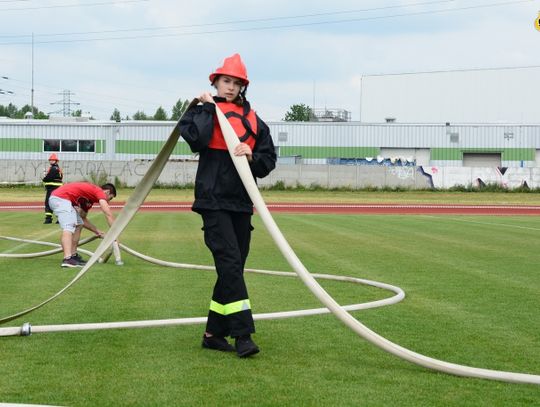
(26, 329)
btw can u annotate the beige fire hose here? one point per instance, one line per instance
(115, 249)
(28, 329)
(128, 211)
(340, 312)
(242, 166)
(45, 253)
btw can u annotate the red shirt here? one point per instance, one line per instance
(82, 194)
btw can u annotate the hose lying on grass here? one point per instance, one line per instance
(340, 312)
(45, 253)
(244, 171)
(28, 329)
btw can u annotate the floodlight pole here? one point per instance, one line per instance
(32, 91)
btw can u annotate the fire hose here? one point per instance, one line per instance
(340, 312)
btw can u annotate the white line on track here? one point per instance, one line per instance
(482, 223)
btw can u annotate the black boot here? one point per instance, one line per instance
(245, 346)
(216, 343)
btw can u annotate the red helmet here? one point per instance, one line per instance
(53, 156)
(232, 66)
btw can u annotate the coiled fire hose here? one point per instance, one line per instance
(340, 312)
(27, 329)
(242, 167)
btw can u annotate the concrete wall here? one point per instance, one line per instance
(327, 176)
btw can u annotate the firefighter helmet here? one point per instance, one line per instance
(232, 66)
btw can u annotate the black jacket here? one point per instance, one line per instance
(217, 184)
(54, 175)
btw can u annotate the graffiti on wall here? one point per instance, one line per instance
(32, 171)
(402, 172)
(447, 177)
(183, 173)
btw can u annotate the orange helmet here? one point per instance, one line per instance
(232, 66)
(53, 156)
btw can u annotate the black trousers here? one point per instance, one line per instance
(48, 190)
(227, 235)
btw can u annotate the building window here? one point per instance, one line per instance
(87, 146)
(69, 145)
(73, 146)
(51, 145)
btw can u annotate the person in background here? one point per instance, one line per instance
(52, 179)
(71, 203)
(223, 202)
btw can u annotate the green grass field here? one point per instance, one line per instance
(472, 287)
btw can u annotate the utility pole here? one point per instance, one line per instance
(313, 103)
(66, 102)
(32, 93)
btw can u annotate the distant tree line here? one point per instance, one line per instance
(298, 112)
(13, 112)
(177, 111)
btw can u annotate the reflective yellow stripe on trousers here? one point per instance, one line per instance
(231, 308)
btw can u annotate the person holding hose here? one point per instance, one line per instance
(223, 202)
(71, 203)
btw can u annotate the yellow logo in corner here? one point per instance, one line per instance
(537, 22)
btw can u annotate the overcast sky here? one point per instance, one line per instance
(142, 54)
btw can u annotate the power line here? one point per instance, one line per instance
(94, 101)
(501, 68)
(254, 20)
(101, 95)
(103, 3)
(275, 27)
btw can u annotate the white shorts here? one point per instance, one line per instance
(68, 217)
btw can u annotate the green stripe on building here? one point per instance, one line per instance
(100, 146)
(148, 147)
(21, 144)
(519, 154)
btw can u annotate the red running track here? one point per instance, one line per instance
(449, 209)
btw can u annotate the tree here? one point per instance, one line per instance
(77, 113)
(13, 112)
(160, 114)
(22, 112)
(38, 114)
(178, 109)
(139, 115)
(116, 115)
(299, 113)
